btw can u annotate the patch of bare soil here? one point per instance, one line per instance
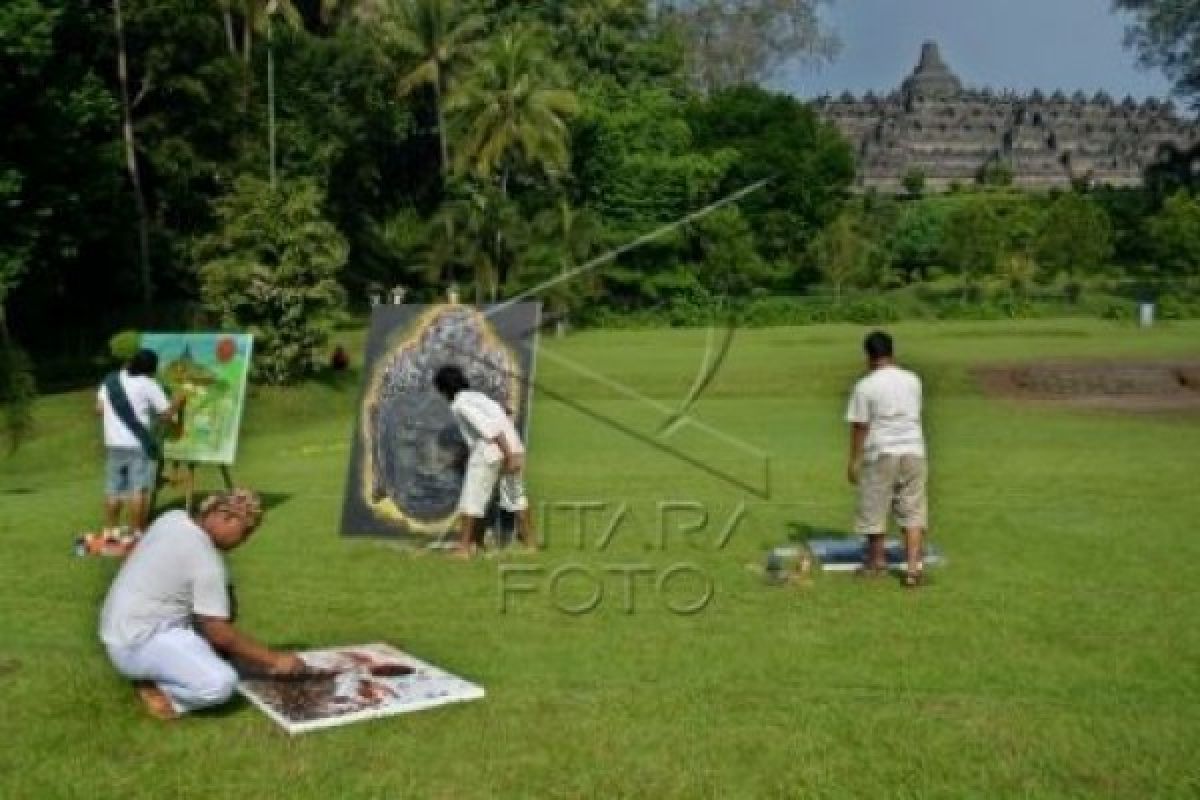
(1143, 386)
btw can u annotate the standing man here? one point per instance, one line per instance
(131, 403)
(887, 458)
(168, 613)
(496, 458)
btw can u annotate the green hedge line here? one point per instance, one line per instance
(761, 312)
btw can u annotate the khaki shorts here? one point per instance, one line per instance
(480, 481)
(895, 483)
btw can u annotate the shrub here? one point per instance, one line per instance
(122, 345)
(271, 269)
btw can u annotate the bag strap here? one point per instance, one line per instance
(124, 411)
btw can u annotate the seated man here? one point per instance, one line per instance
(167, 615)
(495, 458)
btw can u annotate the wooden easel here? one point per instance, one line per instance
(189, 486)
(189, 482)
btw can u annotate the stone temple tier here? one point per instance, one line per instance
(950, 134)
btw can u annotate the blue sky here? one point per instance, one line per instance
(1017, 44)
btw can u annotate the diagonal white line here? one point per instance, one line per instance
(615, 253)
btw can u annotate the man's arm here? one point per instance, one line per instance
(229, 640)
(512, 460)
(858, 436)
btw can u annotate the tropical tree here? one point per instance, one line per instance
(483, 231)
(973, 240)
(842, 254)
(439, 36)
(566, 238)
(1018, 271)
(1174, 235)
(735, 42)
(771, 136)
(271, 269)
(1076, 237)
(1165, 34)
(514, 109)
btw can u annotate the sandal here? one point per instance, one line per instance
(913, 580)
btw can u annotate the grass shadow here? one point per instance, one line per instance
(338, 379)
(802, 533)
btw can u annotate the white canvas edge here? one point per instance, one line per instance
(934, 561)
(472, 692)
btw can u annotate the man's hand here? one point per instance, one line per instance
(284, 664)
(852, 470)
(514, 462)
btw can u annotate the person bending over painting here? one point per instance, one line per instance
(495, 460)
(167, 621)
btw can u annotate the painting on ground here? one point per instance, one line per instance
(212, 370)
(407, 457)
(355, 683)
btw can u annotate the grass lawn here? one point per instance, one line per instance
(1056, 656)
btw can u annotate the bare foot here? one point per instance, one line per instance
(155, 701)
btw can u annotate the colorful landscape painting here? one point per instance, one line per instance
(211, 369)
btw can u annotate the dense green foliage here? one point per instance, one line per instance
(440, 138)
(1166, 35)
(270, 269)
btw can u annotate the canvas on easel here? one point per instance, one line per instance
(212, 370)
(407, 457)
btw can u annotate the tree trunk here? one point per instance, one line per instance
(247, 39)
(230, 39)
(131, 163)
(443, 146)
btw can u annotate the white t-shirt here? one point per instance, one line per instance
(148, 400)
(888, 402)
(480, 419)
(174, 572)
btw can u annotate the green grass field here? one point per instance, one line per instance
(1056, 656)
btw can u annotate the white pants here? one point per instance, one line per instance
(481, 479)
(182, 664)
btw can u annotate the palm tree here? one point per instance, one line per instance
(570, 236)
(256, 17)
(484, 231)
(513, 109)
(438, 34)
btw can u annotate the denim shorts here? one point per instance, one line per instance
(127, 470)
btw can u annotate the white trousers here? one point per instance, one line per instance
(182, 664)
(479, 482)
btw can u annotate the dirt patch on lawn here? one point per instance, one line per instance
(1140, 386)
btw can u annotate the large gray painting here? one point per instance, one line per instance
(407, 457)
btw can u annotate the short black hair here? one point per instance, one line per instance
(449, 381)
(878, 345)
(143, 362)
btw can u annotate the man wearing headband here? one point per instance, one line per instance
(167, 620)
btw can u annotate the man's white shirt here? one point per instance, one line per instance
(174, 573)
(888, 402)
(147, 399)
(481, 419)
